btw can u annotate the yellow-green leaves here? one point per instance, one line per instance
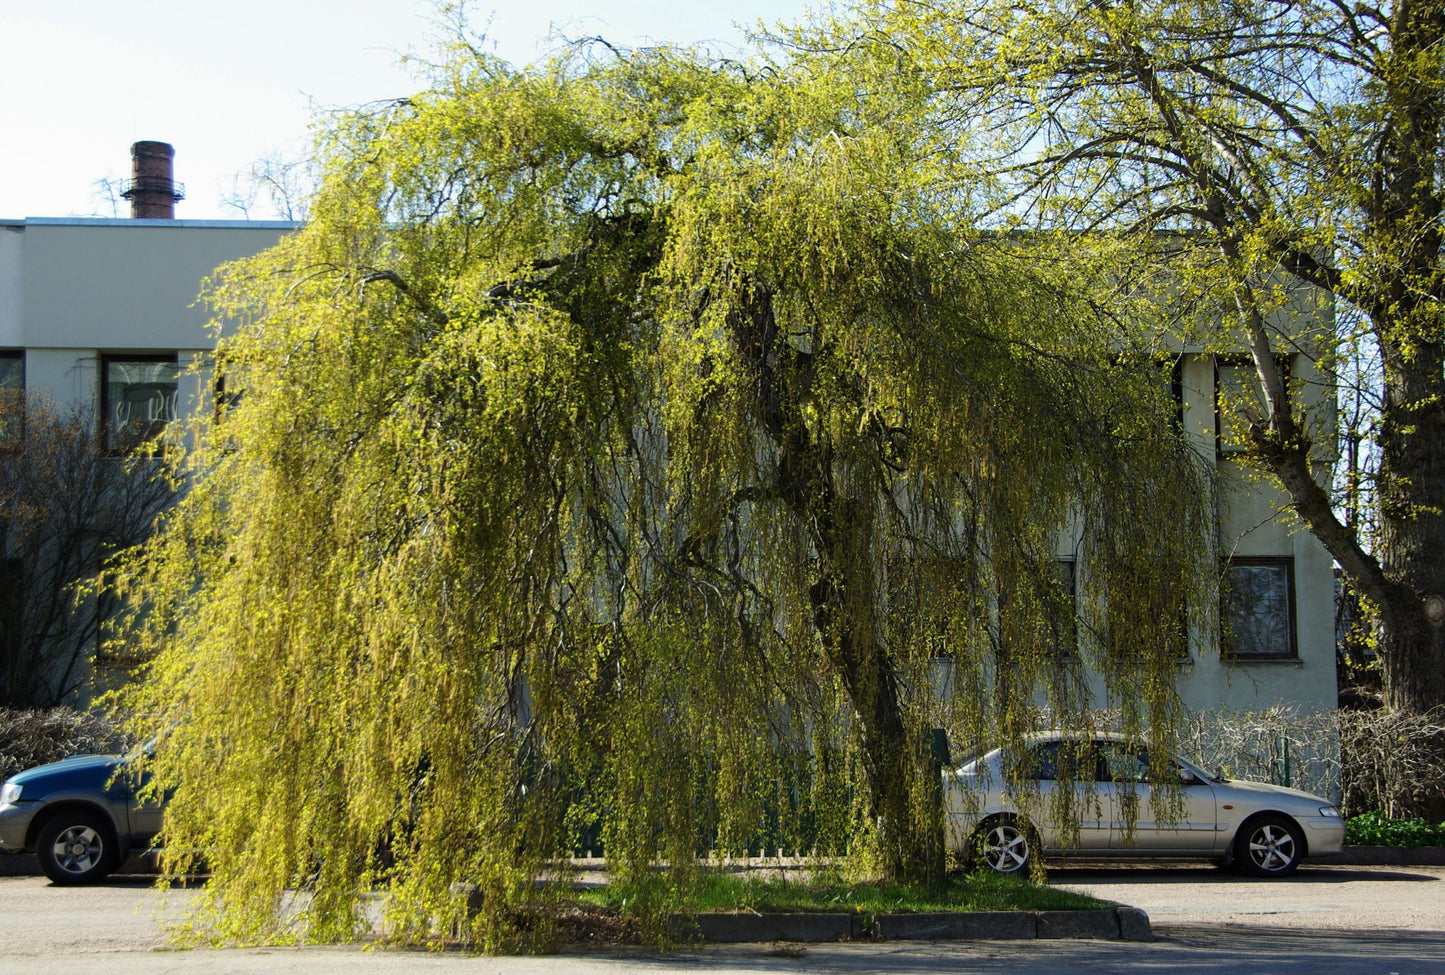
(590, 440)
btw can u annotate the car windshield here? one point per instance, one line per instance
(970, 757)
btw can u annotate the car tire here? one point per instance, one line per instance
(76, 847)
(1269, 846)
(1005, 845)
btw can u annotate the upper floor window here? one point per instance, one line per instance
(1239, 400)
(1258, 612)
(1171, 376)
(12, 399)
(138, 399)
(1062, 631)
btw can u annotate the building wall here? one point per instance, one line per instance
(73, 291)
(1251, 525)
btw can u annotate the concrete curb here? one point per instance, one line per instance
(1108, 924)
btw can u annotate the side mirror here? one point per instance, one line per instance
(1189, 778)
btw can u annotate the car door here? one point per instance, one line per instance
(144, 809)
(1069, 811)
(1181, 820)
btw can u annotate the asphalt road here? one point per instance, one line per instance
(1324, 921)
(1316, 898)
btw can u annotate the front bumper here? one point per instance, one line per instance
(14, 821)
(1324, 836)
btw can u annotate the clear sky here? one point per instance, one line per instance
(228, 83)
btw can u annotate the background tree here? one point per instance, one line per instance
(66, 510)
(630, 434)
(1290, 144)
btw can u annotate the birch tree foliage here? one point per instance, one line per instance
(1297, 147)
(612, 458)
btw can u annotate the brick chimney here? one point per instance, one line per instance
(152, 189)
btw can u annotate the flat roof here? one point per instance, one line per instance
(150, 222)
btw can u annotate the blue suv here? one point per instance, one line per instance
(81, 816)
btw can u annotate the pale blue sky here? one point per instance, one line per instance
(230, 82)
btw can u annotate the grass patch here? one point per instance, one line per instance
(723, 891)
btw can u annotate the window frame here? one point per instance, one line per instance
(1223, 447)
(1064, 636)
(1228, 641)
(12, 439)
(107, 431)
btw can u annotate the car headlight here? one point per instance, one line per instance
(1329, 812)
(10, 794)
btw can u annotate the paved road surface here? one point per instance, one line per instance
(1325, 921)
(1322, 897)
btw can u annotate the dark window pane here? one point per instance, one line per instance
(140, 399)
(12, 399)
(1258, 609)
(1068, 760)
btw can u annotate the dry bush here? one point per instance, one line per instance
(34, 737)
(1394, 762)
(1281, 745)
(66, 510)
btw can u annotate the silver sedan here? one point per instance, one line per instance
(1102, 797)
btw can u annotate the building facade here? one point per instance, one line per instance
(105, 312)
(100, 319)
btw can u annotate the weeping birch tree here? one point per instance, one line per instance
(620, 448)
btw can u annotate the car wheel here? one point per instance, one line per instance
(76, 847)
(1270, 846)
(1004, 844)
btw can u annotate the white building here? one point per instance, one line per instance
(105, 312)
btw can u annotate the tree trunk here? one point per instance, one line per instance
(1411, 547)
(843, 597)
(910, 829)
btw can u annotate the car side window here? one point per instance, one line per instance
(1052, 761)
(1125, 763)
(1044, 761)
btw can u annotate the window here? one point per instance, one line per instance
(225, 398)
(1238, 396)
(1258, 610)
(138, 399)
(1171, 374)
(1038, 607)
(12, 400)
(1062, 635)
(12, 618)
(923, 595)
(1067, 758)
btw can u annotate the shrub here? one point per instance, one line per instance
(35, 737)
(1394, 761)
(1377, 829)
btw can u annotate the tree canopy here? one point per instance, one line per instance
(65, 510)
(623, 445)
(1295, 145)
